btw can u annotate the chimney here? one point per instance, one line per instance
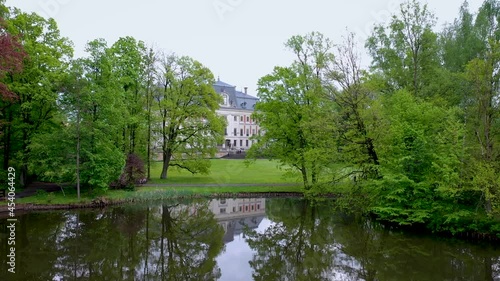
(246, 90)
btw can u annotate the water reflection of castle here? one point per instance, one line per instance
(236, 214)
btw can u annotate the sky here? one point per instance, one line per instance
(239, 40)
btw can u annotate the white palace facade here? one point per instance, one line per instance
(237, 108)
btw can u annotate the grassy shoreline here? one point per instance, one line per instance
(148, 193)
(117, 197)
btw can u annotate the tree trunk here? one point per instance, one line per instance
(23, 177)
(7, 137)
(303, 170)
(371, 151)
(167, 155)
(148, 156)
(132, 139)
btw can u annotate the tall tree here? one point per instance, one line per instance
(127, 55)
(101, 118)
(39, 84)
(56, 153)
(150, 61)
(483, 109)
(190, 128)
(12, 55)
(294, 112)
(421, 160)
(11, 59)
(460, 43)
(405, 50)
(353, 99)
(472, 51)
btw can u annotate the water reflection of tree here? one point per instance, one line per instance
(314, 242)
(298, 246)
(35, 258)
(169, 242)
(370, 253)
(189, 241)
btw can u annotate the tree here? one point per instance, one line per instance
(11, 60)
(353, 100)
(294, 112)
(133, 172)
(37, 86)
(128, 66)
(405, 50)
(421, 161)
(190, 128)
(459, 42)
(55, 152)
(150, 61)
(90, 109)
(484, 124)
(472, 51)
(12, 55)
(101, 107)
(4, 11)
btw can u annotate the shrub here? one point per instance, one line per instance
(133, 173)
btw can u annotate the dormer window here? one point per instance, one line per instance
(225, 99)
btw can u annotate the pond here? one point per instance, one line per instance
(232, 239)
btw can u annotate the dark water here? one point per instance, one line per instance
(233, 239)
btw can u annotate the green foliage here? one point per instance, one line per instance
(102, 165)
(405, 51)
(416, 146)
(37, 86)
(53, 156)
(294, 112)
(40, 193)
(421, 159)
(190, 128)
(128, 64)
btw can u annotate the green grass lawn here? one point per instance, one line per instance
(223, 171)
(227, 171)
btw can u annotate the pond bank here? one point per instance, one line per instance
(104, 201)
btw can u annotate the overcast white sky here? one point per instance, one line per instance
(239, 40)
